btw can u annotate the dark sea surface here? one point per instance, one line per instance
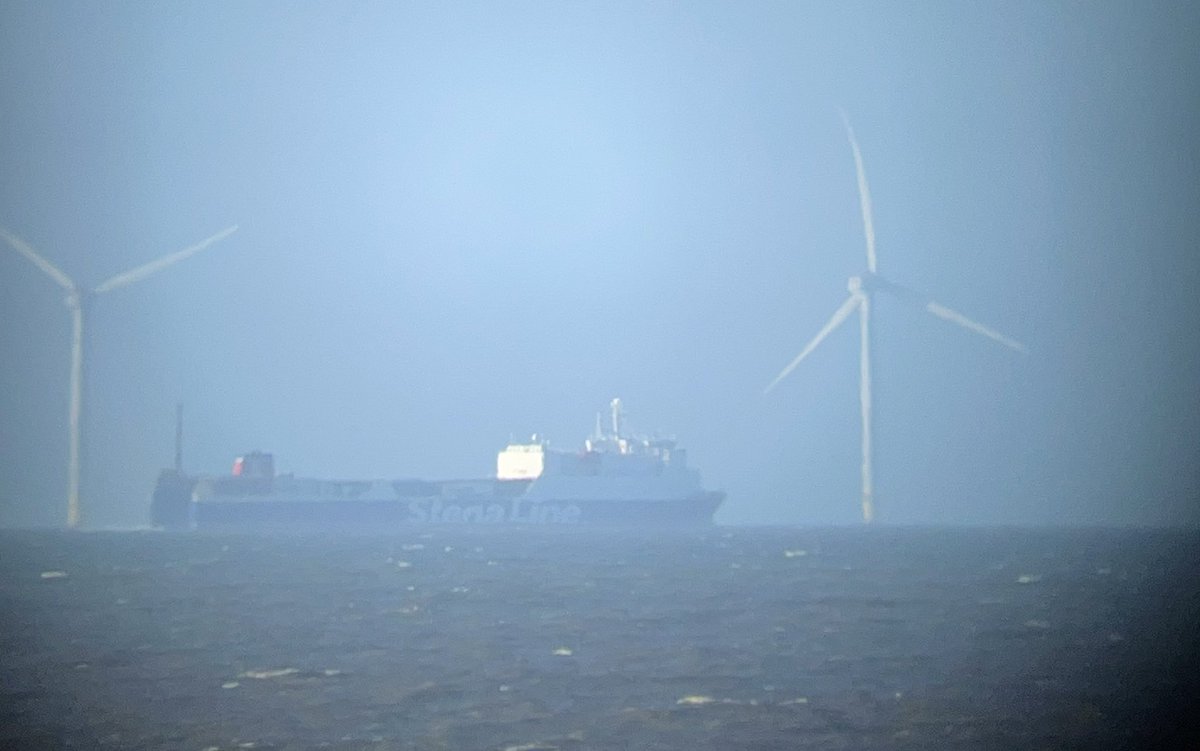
(724, 638)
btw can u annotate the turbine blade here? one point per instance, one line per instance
(24, 249)
(941, 311)
(864, 194)
(926, 303)
(839, 316)
(145, 270)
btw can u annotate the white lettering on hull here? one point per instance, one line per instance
(518, 512)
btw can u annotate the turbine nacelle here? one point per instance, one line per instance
(77, 297)
(866, 283)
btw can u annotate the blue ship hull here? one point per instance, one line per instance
(385, 515)
(174, 507)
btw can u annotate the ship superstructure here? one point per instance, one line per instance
(611, 466)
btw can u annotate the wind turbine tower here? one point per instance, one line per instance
(862, 290)
(79, 300)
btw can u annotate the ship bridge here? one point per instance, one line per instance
(607, 454)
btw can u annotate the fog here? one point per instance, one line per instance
(467, 223)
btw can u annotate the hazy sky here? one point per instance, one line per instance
(465, 222)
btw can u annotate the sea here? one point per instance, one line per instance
(524, 639)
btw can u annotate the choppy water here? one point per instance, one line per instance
(524, 639)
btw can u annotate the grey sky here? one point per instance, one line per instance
(465, 222)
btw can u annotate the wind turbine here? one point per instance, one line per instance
(79, 300)
(862, 289)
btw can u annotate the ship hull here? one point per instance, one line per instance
(382, 516)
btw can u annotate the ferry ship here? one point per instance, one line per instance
(614, 480)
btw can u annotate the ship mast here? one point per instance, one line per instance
(616, 417)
